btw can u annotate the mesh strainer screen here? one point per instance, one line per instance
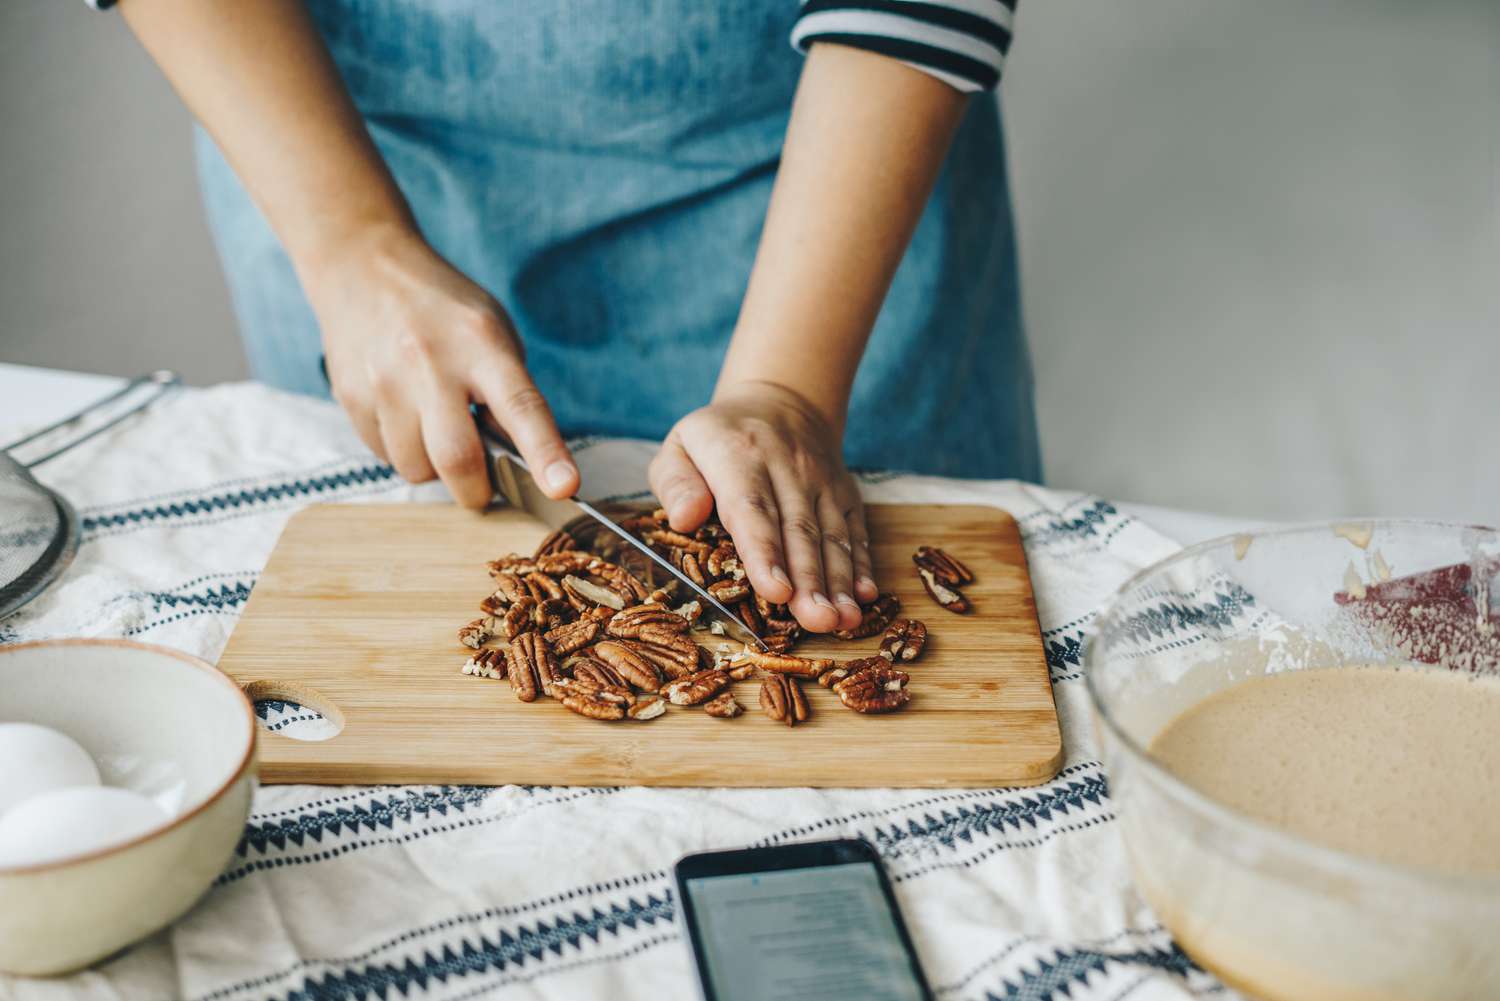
(38, 535)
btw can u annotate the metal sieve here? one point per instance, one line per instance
(38, 527)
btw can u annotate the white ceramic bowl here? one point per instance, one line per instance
(163, 723)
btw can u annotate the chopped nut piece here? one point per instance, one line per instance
(779, 642)
(631, 666)
(508, 586)
(691, 611)
(833, 676)
(724, 706)
(479, 632)
(904, 640)
(742, 671)
(544, 588)
(695, 688)
(874, 618)
(493, 605)
(723, 561)
(486, 663)
(950, 598)
(649, 707)
(620, 580)
(590, 591)
(801, 667)
(729, 591)
(593, 708)
(944, 568)
(782, 699)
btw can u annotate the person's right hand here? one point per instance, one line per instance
(409, 342)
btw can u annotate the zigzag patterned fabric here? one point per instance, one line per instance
(448, 893)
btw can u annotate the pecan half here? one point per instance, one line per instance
(649, 707)
(493, 605)
(573, 636)
(631, 622)
(783, 663)
(559, 541)
(479, 632)
(750, 617)
(526, 659)
(628, 664)
(589, 591)
(729, 591)
(831, 678)
(511, 562)
(950, 598)
(782, 699)
(593, 708)
(486, 663)
(874, 617)
(620, 580)
(874, 690)
(695, 688)
(518, 618)
(591, 689)
(944, 568)
(673, 654)
(564, 562)
(904, 640)
(691, 569)
(724, 706)
(587, 668)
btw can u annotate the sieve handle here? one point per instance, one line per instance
(161, 382)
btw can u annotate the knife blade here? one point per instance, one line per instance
(513, 481)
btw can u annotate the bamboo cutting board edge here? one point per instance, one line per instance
(356, 611)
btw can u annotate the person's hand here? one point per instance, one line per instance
(774, 466)
(409, 343)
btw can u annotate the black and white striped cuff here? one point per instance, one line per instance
(961, 42)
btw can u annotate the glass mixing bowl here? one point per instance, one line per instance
(1274, 914)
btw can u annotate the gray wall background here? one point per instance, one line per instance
(1260, 240)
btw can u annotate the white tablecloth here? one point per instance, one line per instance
(461, 892)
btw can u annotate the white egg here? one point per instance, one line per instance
(37, 759)
(68, 822)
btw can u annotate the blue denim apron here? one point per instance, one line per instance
(603, 168)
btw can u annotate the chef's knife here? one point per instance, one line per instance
(513, 481)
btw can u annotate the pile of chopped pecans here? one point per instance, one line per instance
(570, 624)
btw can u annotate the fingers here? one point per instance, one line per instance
(454, 449)
(401, 431)
(802, 541)
(838, 560)
(680, 487)
(865, 588)
(747, 507)
(507, 389)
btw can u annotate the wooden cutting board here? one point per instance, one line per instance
(356, 614)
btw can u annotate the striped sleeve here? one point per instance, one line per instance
(961, 42)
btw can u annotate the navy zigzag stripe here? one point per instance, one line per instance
(1086, 524)
(376, 813)
(963, 823)
(1064, 654)
(1171, 617)
(238, 499)
(492, 953)
(1071, 968)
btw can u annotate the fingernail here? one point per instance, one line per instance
(844, 599)
(780, 577)
(559, 475)
(868, 583)
(819, 598)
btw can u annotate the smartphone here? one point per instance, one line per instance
(811, 920)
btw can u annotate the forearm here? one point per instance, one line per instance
(259, 78)
(867, 138)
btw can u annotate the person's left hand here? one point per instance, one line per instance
(774, 465)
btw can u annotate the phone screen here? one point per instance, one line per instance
(823, 932)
